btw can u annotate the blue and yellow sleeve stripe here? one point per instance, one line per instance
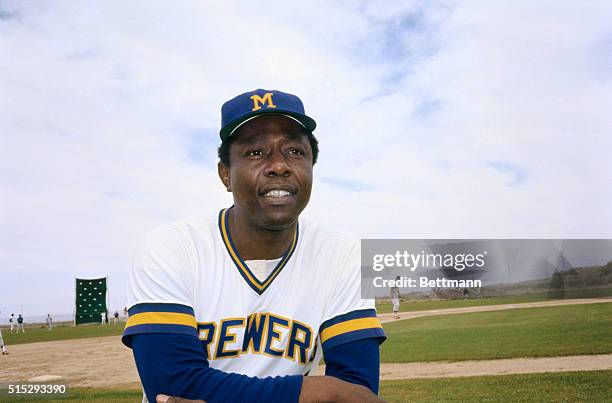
(159, 318)
(352, 326)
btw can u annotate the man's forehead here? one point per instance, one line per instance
(264, 126)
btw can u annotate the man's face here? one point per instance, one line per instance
(270, 173)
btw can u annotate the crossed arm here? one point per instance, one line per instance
(174, 365)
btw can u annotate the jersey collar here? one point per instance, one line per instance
(258, 286)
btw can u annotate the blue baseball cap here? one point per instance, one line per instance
(247, 106)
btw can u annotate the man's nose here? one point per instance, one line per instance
(277, 165)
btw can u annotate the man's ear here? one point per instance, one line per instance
(224, 175)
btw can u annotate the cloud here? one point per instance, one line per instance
(448, 119)
(516, 174)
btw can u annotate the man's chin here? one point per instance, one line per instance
(280, 220)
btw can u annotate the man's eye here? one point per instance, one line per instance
(296, 151)
(254, 153)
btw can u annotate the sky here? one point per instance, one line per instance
(436, 119)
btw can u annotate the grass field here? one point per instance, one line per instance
(528, 332)
(421, 305)
(592, 386)
(36, 334)
(90, 395)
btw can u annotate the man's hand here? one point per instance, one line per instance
(174, 399)
(330, 389)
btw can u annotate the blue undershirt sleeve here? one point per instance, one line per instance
(356, 362)
(176, 365)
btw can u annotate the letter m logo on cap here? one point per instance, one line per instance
(258, 101)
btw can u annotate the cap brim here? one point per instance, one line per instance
(228, 130)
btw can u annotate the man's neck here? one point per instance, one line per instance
(255, 243)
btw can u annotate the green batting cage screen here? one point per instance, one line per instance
(90, 300)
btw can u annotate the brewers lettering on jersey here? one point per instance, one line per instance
(264, 291)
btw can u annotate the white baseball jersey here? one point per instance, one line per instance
(188, 278)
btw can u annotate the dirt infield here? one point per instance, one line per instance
(492, 367)
(96, 362)
(105, 362)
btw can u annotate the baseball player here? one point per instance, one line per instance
(395, 298)
(240, 305)
(20, 324)
(2, 346)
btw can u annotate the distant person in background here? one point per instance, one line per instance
(465, 293)
(102, 318)
(115, 317)
(49, 321)
(395, 298)
(125, 312)
(20, 324)
(12, 321)
(2, 346)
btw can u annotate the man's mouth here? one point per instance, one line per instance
(276, 194)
